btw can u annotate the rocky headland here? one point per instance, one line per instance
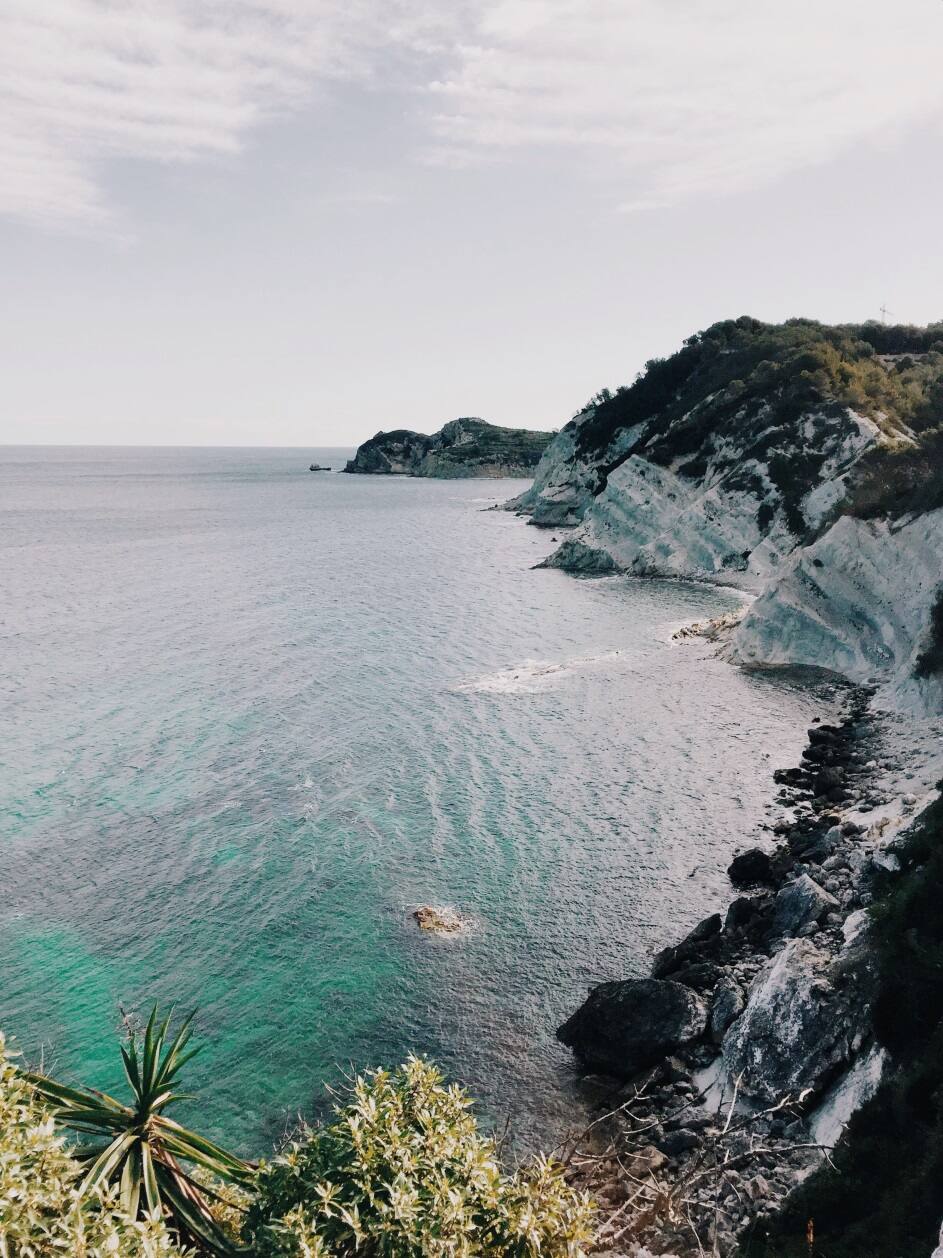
(461, 448)
(746, 1083)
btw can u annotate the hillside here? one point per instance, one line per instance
(462, 448)
(801, 462)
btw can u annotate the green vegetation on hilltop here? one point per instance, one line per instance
(743, 368)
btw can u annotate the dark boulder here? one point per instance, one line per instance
(703, 942)
(749, 913)
(750, 868)
(623, 1027)
(702, 976)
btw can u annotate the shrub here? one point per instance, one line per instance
(42, 1212)
(403, 1172)
(148, 1157)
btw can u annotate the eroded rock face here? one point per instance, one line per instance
(802, 1023)
(623, 1027)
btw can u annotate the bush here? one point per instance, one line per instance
(403, 1172)
(42, 1213)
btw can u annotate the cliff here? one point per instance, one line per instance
(464, 447)
(800, 462)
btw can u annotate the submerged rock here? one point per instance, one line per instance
(440, 921)
(623, 1027)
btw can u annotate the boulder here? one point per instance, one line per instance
(800, 903)
(623, 1027)
(701, 943)
(727, 1007)
(750, 913)
(799, 1026)
(750, 868)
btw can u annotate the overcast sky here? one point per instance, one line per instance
(299, 221)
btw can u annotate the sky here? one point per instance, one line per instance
(296, 222)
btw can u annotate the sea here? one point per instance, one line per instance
(254, 716)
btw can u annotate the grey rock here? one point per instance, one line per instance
(799, 1024)
(728, 1005)
(800, 903)
(623, 1027)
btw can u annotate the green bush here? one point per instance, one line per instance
(42, 1212)
(404, 1173)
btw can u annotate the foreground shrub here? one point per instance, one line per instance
(43, 1214)
(403, 1172)
(136, 1149)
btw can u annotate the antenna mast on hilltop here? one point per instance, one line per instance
(884, 313)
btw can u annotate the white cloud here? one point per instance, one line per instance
(664, 98)
(676, 97)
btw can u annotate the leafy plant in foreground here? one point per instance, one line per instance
(42, 1212)
(138, 1150)
(404, 1173)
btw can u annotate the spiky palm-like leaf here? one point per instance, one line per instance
(142, 1150)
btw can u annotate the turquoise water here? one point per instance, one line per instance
(253, 716)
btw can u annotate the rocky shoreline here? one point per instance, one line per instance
(725, 1078)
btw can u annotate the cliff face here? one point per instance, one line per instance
(462, 448)
(800, 462)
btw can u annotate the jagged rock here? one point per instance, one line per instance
(727, 1007)
(702, 941)
(750, 867)
(748, 912)
(674, 1142)
(439, 921)
(702, 976)
(800, 903)
(622, 1027)
(799, 1027)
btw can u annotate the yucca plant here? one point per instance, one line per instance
(141, 1151)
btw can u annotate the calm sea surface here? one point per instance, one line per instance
(252, 716)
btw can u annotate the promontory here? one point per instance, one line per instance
(461, 448)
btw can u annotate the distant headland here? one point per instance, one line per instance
(462, 448)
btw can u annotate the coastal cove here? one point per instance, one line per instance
(314, 703)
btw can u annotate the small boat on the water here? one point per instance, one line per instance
(316, 467)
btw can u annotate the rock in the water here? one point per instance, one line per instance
(800, 903)
(440, 921)
(750, 868)
(622, 1027)
(727, 1007)
(797, 1028)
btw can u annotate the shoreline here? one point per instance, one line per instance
(794, 938)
